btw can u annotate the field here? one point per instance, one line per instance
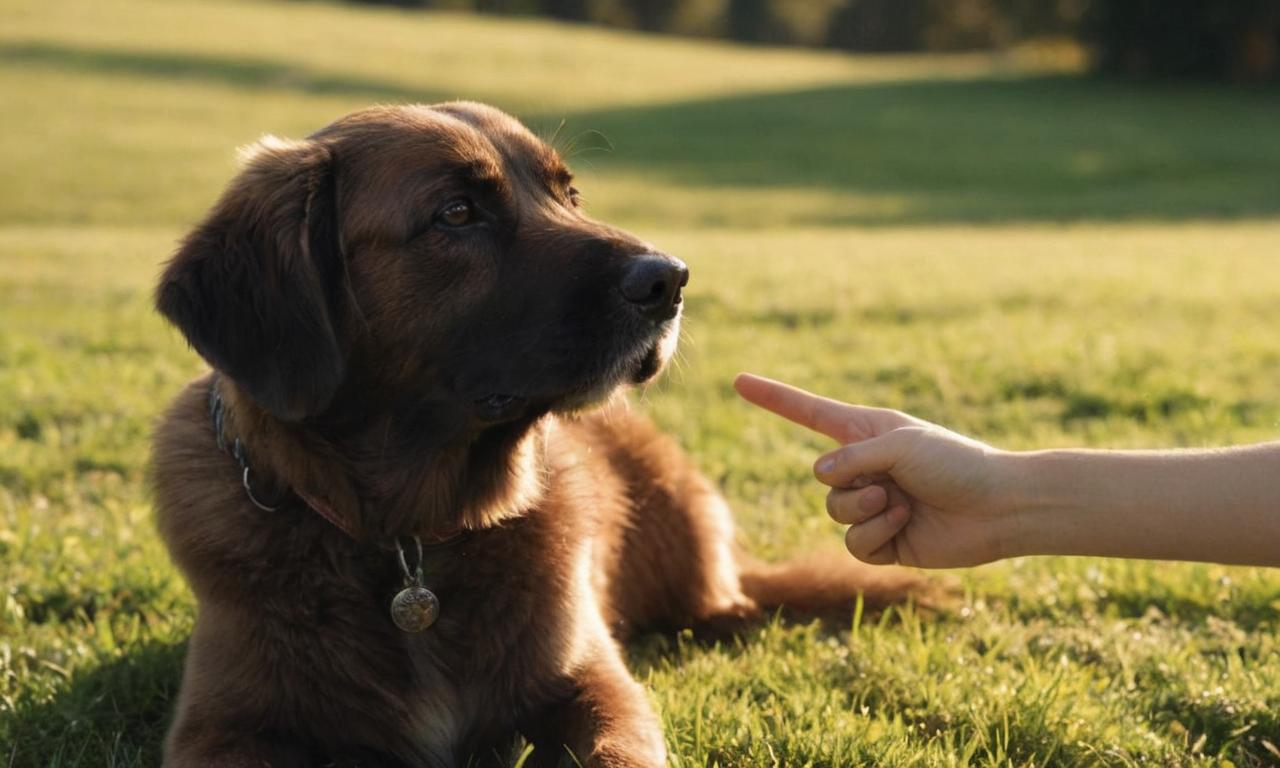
(1021, 253)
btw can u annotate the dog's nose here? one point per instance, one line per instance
(653, 282)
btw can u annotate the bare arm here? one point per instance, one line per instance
(919, 494)
(1219, 505)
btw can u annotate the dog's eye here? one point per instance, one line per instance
(573, 196)
(456, 213)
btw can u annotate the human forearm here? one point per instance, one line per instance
(1220, 505)
(918, 494)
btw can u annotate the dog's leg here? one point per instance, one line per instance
(606, 722)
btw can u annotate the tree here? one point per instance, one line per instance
(1238, 39)
(879, 25)
(569, 10)
(652, 15)
(752, 21)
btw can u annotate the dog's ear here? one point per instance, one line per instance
(258, 288)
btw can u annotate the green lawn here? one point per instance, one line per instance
(1018, 252)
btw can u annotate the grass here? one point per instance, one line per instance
(1026, 255)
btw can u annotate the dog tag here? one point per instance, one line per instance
(415, 608)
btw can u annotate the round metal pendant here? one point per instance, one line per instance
(415, 608)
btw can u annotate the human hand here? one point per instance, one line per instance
(912, 492)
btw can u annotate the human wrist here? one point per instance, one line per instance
(1062, 499)
(1026, 478)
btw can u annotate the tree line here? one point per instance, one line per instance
(1219, 39)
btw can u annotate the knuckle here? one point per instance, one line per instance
(898, 435)
(841, 506)
(854, 543)
(873, 498)
(884, 556)
(893, 416)
(833, 503)
(841, 457)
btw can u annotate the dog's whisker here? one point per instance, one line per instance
(607, 147)
(555, 135)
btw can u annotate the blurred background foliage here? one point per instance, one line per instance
(1207, 39)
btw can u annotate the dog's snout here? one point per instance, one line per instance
(653, 283)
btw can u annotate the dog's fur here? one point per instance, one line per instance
(427, 379)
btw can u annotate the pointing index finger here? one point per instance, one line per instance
(830, 417)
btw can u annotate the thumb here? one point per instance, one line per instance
(876, 456)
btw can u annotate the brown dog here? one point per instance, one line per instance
(408, 313)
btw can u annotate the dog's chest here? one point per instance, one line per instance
(507, 634)
(442, 711)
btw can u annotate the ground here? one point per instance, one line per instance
(999, 244)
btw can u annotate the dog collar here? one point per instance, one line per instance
(414, 608)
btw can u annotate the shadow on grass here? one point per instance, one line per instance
(990, 150)
(936, 151)
(114, 714)
(117, 714)
(247, 73)
(1252, 611)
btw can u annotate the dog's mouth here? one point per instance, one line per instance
(636, 366)
(654, 360)
(639, 367)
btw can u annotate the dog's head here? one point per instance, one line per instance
(427, 257)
